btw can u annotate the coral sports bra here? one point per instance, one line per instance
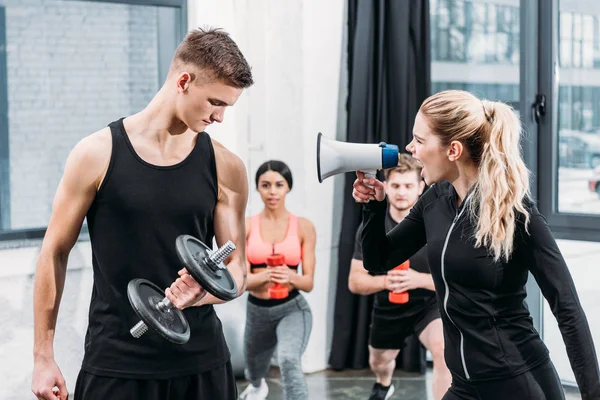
(257, 250)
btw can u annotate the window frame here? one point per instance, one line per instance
(172, 25)
(572, 226)
(4, 139)
(528, 88)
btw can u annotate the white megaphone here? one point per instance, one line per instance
(334, 157)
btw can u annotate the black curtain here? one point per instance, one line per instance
(388, 79)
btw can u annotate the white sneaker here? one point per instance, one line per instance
(255, 393)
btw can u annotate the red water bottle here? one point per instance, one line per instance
(277, 291)
(402, 297)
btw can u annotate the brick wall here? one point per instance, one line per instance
(73, 67)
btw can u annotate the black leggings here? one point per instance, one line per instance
(541, 383)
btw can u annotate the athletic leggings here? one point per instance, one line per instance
(286, 326)
(541, 383)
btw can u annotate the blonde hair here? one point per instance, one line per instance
(491, 132)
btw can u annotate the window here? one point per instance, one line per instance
(67, 69)
(475, 47)
(569, 176)
(569, 159)
(475, 31)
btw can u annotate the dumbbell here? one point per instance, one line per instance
(277, 291)
(156, 311)
(402, 297)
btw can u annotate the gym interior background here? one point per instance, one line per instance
(68, 67)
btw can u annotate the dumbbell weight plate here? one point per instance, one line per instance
(192, 254)
(172, 324)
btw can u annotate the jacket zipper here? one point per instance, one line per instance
(462, 339)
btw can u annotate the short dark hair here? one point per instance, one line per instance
(275, 166)
(406, 163)
(216, 55)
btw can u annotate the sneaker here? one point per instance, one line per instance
(380, 392)
(255, 393)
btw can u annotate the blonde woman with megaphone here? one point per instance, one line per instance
(484, 234)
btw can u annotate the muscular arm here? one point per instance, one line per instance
(361, 282)
(230, 214)
(308, 236)
(428, 282)
(76, 190)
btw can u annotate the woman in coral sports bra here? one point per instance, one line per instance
(277, 313)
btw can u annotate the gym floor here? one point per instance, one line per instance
(356, 385)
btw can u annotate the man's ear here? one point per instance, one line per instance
(455, 150)
(184, 80)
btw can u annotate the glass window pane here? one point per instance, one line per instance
(477, 47)
(576, 54)
(578, 147)
(566, 53)
(502, 49)
(515, 45)
(588, 27)
(587, 54)
(576, 177)
(433, 4)
(457, 13)
(577, 28)
(457, 44)
(72, 67)
(444, 43)
(443, 14)
(516, 20)
(490, 10)
(488, 63)
(479, 16)
(566, 25)
(504, 19)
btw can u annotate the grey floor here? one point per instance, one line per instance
(356, 384)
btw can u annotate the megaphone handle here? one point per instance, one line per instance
(370, 174)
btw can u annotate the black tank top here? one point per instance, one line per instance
(133, 222)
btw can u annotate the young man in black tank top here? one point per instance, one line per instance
(392, 323)
(141, 182)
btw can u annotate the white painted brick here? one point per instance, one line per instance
(73, 67)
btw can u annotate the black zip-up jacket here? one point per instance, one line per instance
(488, 331)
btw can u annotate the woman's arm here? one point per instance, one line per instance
(308, 236)
(256, 280)
(383, 252)
(554, 279)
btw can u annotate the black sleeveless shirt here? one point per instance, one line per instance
(133, 222)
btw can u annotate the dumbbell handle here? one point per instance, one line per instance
(140, 328)
(219, 255)
(165, 305)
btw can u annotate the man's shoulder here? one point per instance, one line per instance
(231, 170)
(227, 160)
(98, 140)
(88, 160)
(92, 151)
